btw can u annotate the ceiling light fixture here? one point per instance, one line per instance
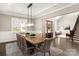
(30, 15)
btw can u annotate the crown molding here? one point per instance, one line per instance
(48, 15)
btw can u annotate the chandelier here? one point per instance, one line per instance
(30, 15)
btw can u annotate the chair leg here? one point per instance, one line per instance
(49, 53)
(44, 53)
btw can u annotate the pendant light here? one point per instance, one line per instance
(29, 15)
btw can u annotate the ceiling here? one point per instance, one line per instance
(21, 8)
(38, 9)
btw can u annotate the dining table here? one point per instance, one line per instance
(34, 40)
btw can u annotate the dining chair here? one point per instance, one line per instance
(19, 40)
(25, 48)
(45, 46)
(22, 43)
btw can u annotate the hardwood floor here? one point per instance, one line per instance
(2, 50)
(59, 44)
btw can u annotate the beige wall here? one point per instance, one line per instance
(5, 23)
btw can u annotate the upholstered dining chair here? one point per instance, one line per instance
(19, 40)
(45, 48)
(47, 45)
(22, 43)
(25, 46)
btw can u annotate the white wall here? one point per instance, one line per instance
(38, 26)
(66, 20)
(5, 23)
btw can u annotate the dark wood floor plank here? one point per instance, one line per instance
(2, 49)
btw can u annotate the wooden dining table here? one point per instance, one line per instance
(34, 40)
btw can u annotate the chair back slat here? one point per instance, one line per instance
(24, 41)
(18, 39)
(21, 40)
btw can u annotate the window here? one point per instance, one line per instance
(18, 24)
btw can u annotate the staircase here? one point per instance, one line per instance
(76, 34)
(75, 30)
